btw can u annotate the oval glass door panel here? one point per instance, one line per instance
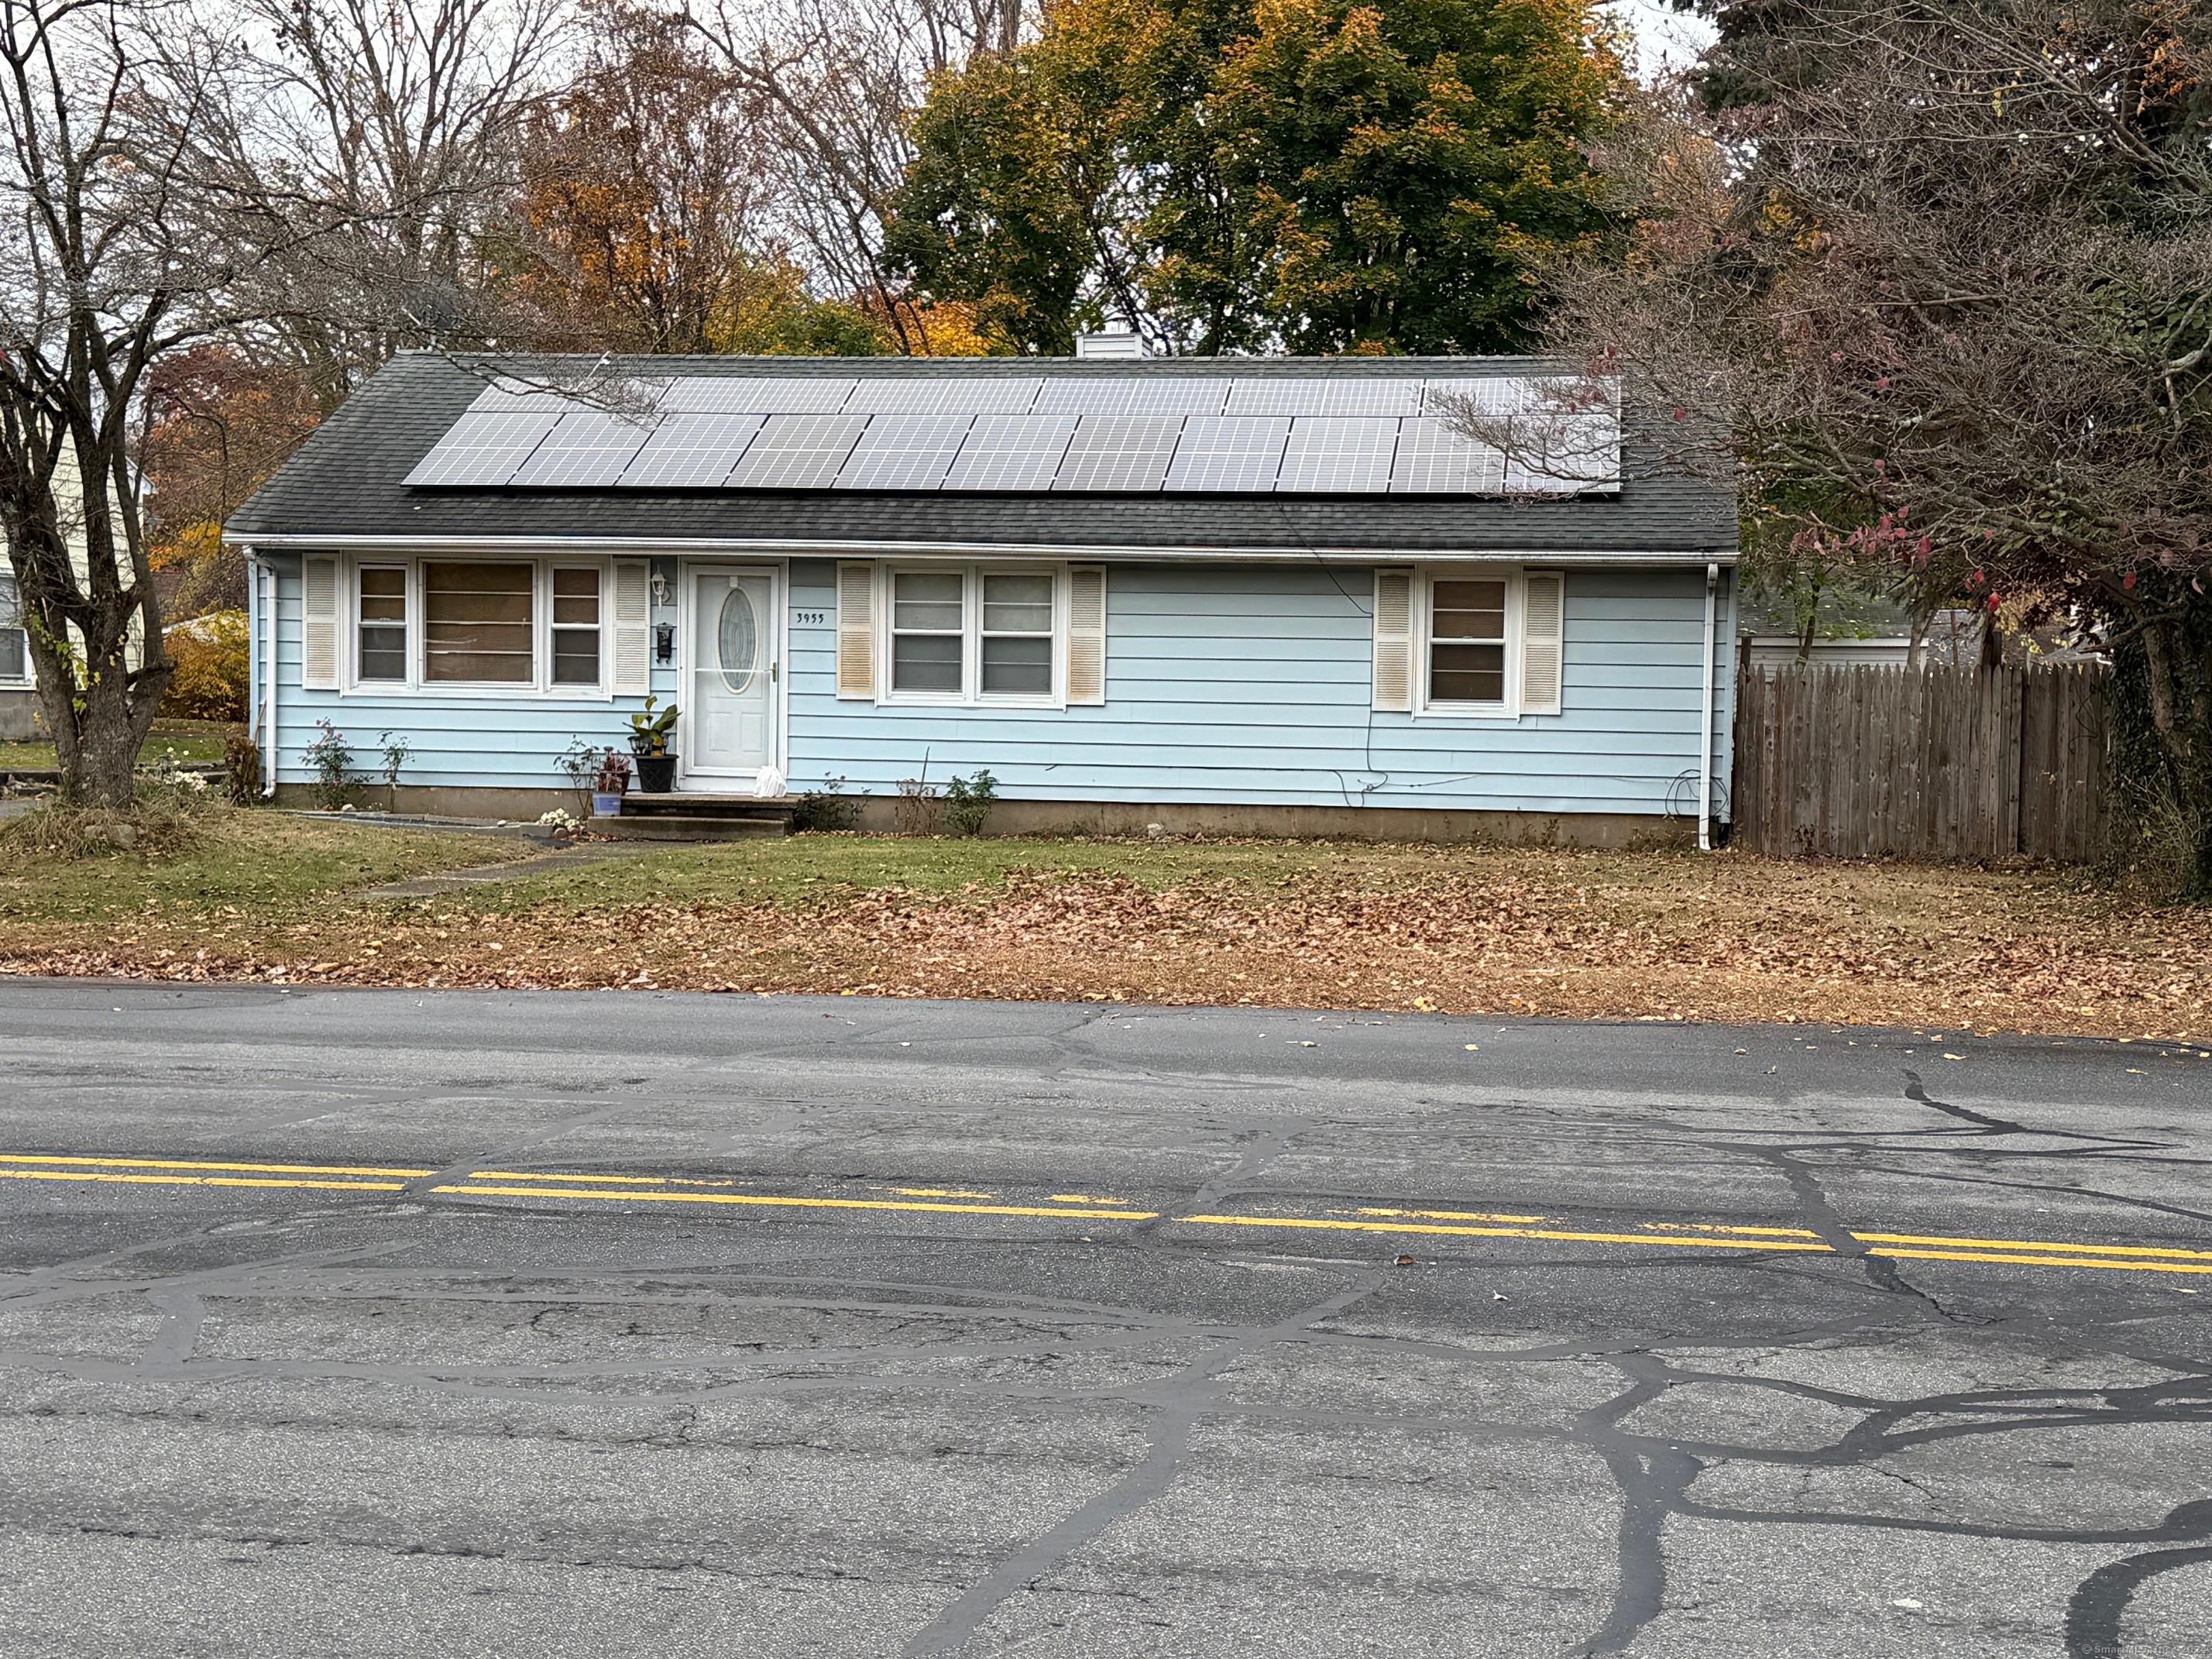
(729, 718)
(738, 639)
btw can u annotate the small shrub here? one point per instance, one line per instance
(826, 810)
(241, 761)
(395, 751)
(331, 758)
(581, 763)
(917, 807)
(213, 655)
(968, 802)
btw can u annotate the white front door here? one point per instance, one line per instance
(729, 718)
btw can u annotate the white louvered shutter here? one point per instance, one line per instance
(1394, 640)
(318, 624)
(632, 612)
(1086, 633)
(1543, 639)
(856, 631)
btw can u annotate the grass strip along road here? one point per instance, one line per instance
(1083, 1206)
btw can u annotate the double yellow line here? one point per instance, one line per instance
(1075, 1206)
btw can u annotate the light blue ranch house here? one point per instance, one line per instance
(1268, 596)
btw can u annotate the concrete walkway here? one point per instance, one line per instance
(490, 875)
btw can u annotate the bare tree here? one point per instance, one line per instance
(839, 79)
(1941, 278)
(109, 254)
(401, 122)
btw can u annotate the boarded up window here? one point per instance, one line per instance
(478, 622)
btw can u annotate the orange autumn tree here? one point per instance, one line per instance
(643, 189)
(218, 423)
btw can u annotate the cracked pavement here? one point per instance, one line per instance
(834, 1326)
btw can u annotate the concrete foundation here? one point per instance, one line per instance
(878, 814)
(19, 716)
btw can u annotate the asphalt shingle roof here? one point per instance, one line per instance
(346, 483)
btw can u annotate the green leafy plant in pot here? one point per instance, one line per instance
(648, 742)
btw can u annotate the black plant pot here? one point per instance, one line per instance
(656, 773)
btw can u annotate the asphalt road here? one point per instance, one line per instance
(395, 1323)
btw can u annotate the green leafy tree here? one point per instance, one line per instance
(1301, 174)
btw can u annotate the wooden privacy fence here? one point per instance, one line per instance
(1939, 763)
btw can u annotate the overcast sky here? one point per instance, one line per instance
(1665, 39)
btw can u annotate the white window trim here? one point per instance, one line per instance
(539, 688)
(1486, 714)
(29, 679)
(971, 694)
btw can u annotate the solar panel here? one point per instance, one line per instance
(1119, 451)
(947, 395)
(1432, 459)
(1287, 396)
(586, 450)
(758, 394)
(483, 448)
(904, 452)
(1012, 452)
(798, 451)
(690, 452)
(1564, 452)
(1229, 453)
(1131, 396)
(1337, 456)
(1493, 394)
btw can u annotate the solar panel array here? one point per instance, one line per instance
(1221, 434)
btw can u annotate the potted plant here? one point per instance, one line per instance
(613, 783)
(648, 742)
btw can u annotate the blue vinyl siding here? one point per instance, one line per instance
(485, 741)
(1236, 683)
(1249, 683)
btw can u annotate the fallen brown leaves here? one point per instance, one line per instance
(1658, 937)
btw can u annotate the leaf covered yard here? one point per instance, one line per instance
(1645, 935)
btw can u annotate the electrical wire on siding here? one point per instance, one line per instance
(1382, 777)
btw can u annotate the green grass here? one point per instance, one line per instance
(191, 740)
(804, 867)
(271, 865)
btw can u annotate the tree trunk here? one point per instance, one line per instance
(2178, 679)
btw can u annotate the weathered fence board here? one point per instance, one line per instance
(1939, 763)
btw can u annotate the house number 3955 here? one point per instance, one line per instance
(812, 618)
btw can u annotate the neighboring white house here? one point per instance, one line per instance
(19, 695)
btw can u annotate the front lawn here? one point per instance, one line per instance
(190, 741)
(251, 877)
(1648, 935)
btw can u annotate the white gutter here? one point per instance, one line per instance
(1705, 723)
(764, 547)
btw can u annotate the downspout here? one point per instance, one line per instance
(269, 682)
(1706, 724)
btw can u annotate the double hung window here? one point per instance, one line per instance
(576, 625)
(929, 632)
(974, 634)
(1466, 642)
(381, 627)
(15, 640)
